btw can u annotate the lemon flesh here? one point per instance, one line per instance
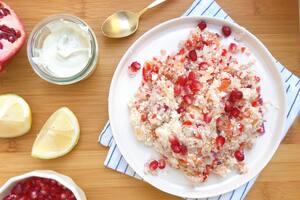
(15, 116)
(58, 136)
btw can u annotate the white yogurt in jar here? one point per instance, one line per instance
(66, 49)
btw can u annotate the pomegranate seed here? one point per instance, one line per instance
(195, 86)
(180, 110)
(18, 34)
(224, 52)
(188, 99)
(235, 95)
(182, 51)
(243, 49)
(239, 156)
(219, 123)
(257, 102)
(240, 127)
(17, 189)
(220, 141)
(145, 74)
(153, 165)
(24, 197)
(254, 103)
(177, 90)
(135, 66)
(235, 112)
(161, 163)
(183, 149)
(207, 118)
(228, 106)
(189, 44)
(200, 46)
(193, 55)
(187, 123)
(261, 130)
(34, 194)
(203, 65)
(226, 31)
(191, 75)
(173, 140)
(176, 148)
(144, 117)
(11, 39)
(233, 48)
(198, 136)
(258, 89)
(202, 25)
(181, 80)
(257, 79)
(166, 107)
(1, 45)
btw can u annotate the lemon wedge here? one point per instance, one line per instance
(58, 136)
(15, 116)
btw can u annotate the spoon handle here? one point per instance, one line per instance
(153, 4)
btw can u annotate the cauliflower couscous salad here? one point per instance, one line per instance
(199, 107)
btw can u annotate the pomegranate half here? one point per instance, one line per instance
(12, 34)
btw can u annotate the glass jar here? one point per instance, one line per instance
(35, 46)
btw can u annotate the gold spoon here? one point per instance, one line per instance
(124, 23)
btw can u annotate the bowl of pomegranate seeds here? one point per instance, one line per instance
(196, 106)
(43, 185)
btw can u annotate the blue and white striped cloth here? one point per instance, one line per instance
(115, 160)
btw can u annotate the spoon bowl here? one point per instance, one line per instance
(124, 23)
(120, 24)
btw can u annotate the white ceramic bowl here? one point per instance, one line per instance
(62, 179)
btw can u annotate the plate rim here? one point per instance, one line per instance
(248, 176)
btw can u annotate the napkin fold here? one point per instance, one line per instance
(115, 160)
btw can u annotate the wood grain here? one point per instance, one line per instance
(275, 22)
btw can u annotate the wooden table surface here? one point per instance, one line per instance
(275, 22)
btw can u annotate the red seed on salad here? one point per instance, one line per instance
(202, 25)
(180, 110)
(153, 165)
(203, 65)
(195, 86)
(207, 118)
(161, 163)
(235, 112)
(144, 117)
(228, 106)
(135, 66)
(226, 30)
(235, 95)
(191, 75)
(188, 99)
(177, 90)
(233, 48)
(220, 141)
(240, 127)
(181, 80)
(183, 149)
(173, 140)
(176, 148)
(193, 55)
(261, 129)
(239, 155)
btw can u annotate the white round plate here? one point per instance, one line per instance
(167, 36)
